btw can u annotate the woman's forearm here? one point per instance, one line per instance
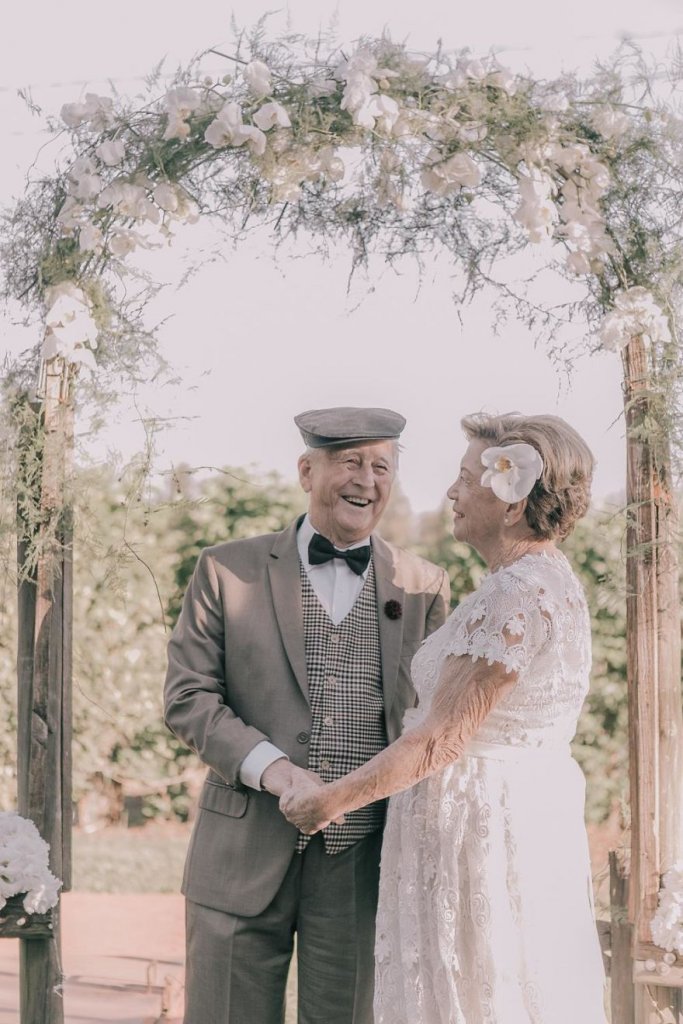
(466, 694)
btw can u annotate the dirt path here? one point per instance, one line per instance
(123, 957)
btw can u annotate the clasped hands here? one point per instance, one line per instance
(302, 796)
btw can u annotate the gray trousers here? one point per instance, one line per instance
(236, 967)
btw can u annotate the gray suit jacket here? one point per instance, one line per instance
(237, 675)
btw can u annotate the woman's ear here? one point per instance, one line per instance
(514, 513)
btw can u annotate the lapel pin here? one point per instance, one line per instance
(393, 609)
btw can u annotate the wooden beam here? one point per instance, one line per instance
(44, 674)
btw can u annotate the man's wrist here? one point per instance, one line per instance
(277, 777)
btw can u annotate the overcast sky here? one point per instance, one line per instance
(257, 341)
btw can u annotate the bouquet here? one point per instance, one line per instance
(24, 865)
(667, 924)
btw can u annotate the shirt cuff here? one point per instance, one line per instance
(256, 762)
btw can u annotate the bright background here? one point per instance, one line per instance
(257, 340)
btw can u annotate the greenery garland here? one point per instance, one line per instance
(393, 152)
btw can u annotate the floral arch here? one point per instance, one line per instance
(397, 154)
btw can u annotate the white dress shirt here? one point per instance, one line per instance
(337, 587)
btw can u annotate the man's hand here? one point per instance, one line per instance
(282, 775)
(305, 807)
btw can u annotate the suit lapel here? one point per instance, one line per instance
(284, 575)
(390, 630)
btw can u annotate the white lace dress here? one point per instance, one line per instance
(485, 912)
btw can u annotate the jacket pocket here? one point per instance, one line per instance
(223, 799)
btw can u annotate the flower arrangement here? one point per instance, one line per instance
(24, 865)
(511, 471)
(667, 923)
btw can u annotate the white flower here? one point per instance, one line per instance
(381, 112)
(473, 68)
(69, 324)
(123, 241)
(111, 152)
(450, 175)
(536, 212)
(24, 865)
(331, 165)
(258, 78)
(97, 111)
(175, 202)
(129, 200)
(635, 314)
(228, 129)
(90, 238)
(180, 104)
(503, 79)
(578, 263)
(361, 74)
(609, 122)
(667, 923)
(511, 471)
(71, 214)
(84, 182)
(271, 115)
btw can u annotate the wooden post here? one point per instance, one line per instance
(653, 648)
(621, 939)
(44, 674)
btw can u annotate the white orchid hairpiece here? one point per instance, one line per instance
(512, 471)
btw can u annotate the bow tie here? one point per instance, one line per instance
(320, 550)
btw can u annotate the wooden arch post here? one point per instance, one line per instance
(44, 671)
(654, 685)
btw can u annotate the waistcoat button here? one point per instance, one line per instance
(302, 737)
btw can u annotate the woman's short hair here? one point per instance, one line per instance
(562, 494)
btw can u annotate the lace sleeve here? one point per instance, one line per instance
(505, 622)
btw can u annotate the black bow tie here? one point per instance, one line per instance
(321, 550)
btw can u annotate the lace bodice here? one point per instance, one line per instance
(532, 617)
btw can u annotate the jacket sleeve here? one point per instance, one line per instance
(195, 698)
(440, 606)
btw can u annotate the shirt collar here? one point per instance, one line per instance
(303, 539)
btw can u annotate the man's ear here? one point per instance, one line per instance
(304, 466)
(514, 513)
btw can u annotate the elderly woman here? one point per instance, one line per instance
(485, 913)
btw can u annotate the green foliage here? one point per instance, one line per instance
(134, 555)
(129, 861)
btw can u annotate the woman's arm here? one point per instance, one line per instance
(466, 692)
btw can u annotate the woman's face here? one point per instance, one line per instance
(478, 515)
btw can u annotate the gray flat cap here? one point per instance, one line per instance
(326, 428)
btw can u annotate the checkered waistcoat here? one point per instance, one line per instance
(347, 703)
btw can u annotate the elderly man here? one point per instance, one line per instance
(291, 662)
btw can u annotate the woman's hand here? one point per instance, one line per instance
(307, 807)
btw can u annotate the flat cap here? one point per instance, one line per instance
(326, 428)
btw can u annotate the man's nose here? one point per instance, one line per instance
(364, 475)
(452, 491)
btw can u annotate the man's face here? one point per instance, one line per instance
(348, 489)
